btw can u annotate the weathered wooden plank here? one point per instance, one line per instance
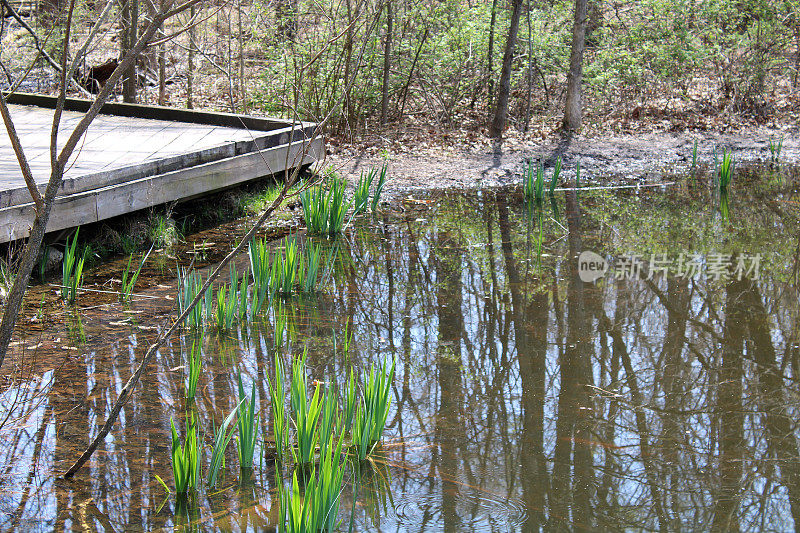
(106, 202)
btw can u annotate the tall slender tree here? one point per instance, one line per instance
(504, 87)
(573, 112)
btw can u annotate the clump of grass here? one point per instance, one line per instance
(195, 365)
(248, 427)
(222, 437)
(371, 414)
(726, 170)
(129, 280)
(185, 459)
(72, 269)
(775, 148)
(324, 211)
(163, 231)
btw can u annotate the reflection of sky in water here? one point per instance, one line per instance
(522, 399)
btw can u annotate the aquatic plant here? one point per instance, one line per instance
(129, 282)
(185, 463)
(290, 269)
(72, 269)
(163, 232)
(324, 211)
(306, 414)
(373, 410)
(726, 169)
(350, 402)
(577, 178)
(376, 194)
(556, 175)
(330, 417)
(694, 157)
(279, 420)
(361, 192)
(248, 427)
(227, 302)
(317, 507)
(222, 437)
(533, 185)
(325, 496)
(775, 148)
(189, 285)
(194, 365)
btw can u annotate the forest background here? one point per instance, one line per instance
(438, 66)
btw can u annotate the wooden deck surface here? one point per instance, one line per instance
(126, 163)
(110, 142)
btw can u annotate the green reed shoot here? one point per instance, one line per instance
(259, 255)
(325, 497)
(248, 426)
(361, 193)
(279, 420)
(129, 282)
(694, 156)
(222, 437)
(72, 269)
(373, 410)
(296, 514)
(324, 211)
(556, 175)
(195, 364)
(577, 178)
(350, 401)
(726, 170)
(279, 331)
(775, 148)
(185, 459)
(317, 507)
(376, 194)
(243, 297)
(312, 259)
(330, 417)
(306, 414)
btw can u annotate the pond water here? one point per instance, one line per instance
(527, 396)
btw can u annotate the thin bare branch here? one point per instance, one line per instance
(30, 182)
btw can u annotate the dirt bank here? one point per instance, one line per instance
(619, 159)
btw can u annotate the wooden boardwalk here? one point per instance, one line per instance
(128, 160)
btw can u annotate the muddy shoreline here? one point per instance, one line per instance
(646, 158)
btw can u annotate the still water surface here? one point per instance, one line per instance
(658, 397)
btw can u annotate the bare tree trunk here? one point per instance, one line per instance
(190, 61)
(387, 63)
(530, 71)
(162, 82)
(490, 57)
(130, 16)
(504, 88)
(573, 110)
(242, 89)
